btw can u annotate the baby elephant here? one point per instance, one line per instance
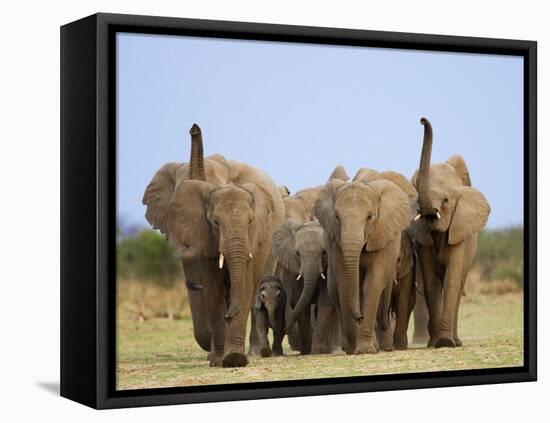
(269, 311)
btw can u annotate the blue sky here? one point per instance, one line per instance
(298, 110)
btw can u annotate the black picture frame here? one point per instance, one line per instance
(88, 209)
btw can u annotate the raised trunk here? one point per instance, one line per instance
(423, 180)
(236, 254)
(310, 284)
(196, 164)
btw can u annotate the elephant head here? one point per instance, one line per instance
(446, 199)
(201, 218)
(360, 217)
(271, 297)
(301, 249)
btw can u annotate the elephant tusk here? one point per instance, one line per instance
(220, 263)
(299, 276)
(250, 255)
(418, 216)
(323, 275)
(438, 215)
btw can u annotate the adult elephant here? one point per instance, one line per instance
(301, 253)
(220, 215)
(450, 215)
(363, 221)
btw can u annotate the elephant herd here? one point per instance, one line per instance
(337, 265)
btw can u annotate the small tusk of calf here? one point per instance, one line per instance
(418, 216)
(438, 215)
(250, 255)
(323, 275)
(220, 263)
(299, 276)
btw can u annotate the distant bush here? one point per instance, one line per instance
(500, 255)
(147, 257)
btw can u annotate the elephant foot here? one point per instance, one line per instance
(458, 342)
(432, 342)
(321, 349)
(400, 344)
(215, 360)
(445, 342)
(265, 352)
(277, 352)
(235, 359)
(254, 350)
(366, 348)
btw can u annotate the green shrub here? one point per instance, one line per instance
(500, 254)
(147, 256)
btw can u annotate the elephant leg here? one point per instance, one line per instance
(386, 336)
(405, 296)
(452, 291)
(216, 305)
(255, 342)
(305, 332)
(201, 331)
(279, 333)
(432, 292)
(458, 341)
(421, 335)
(373, 289)
(320, 339)
(262, 328)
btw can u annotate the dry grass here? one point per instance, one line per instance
(156, 347)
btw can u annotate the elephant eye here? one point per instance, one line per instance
(297, 254)
(370, 216)
(215, 222)
(445, 200)
(337, 217)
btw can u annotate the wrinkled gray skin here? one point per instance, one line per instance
(450, 215)
(269, 311)
(217, 214)
(401, 300)
(363, 222)
(301, 254)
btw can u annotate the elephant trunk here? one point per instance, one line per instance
(351, 293)
(423, 181)
(271, 317)
(310, 284)
(237, 256)
(196, 163)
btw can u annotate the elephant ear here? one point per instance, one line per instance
(185, 217)
(264, 209)
(284, 242)
(324, 207)
(459, 165)
(283, 189)
(339, 173)
(402, 183)
(158, 194)
(393, 216)
(364, 174)
(470, 215)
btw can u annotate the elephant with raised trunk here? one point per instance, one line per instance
(364, 221)
(301, 253)
(450, 215)
(220, 216)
